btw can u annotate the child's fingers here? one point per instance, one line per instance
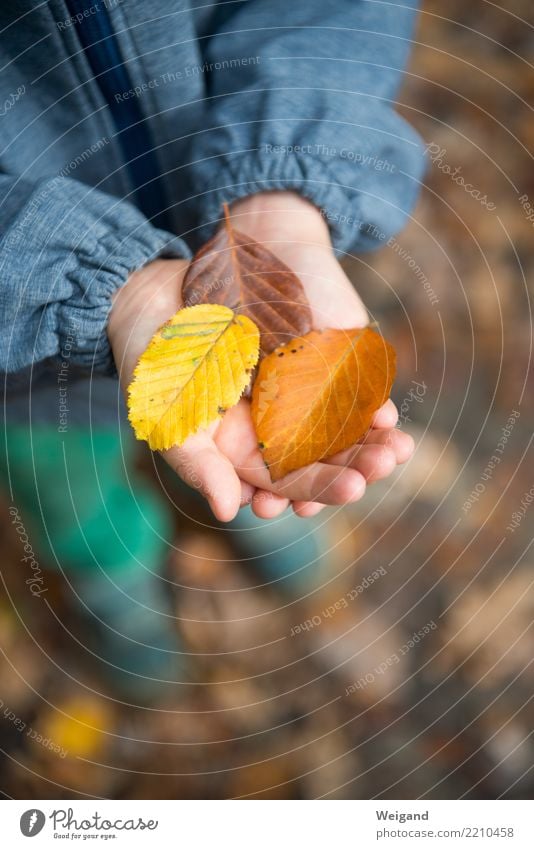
(321, 482)
(268, 505)
(387, 416)
(375, 458)
(374, 462)
(247, 493)
(325, 483)
(307, 509)
(201, 465)
(400, 444)
(265, 505)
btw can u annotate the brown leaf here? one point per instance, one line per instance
(234, 270)
(317, 395)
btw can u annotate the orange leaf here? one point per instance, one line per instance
(317, 395)
(234, 270)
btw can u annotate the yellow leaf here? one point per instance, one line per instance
(195, 367)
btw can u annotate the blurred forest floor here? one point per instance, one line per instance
(453, 714)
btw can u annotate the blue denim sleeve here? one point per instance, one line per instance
(301, 96)
(64, 249)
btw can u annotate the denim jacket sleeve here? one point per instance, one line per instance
(64, 249)
(301, 97)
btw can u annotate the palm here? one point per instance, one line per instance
(224, 462)
(230, 447)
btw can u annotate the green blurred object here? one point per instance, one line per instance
(79, 501)
(89, 516)
(288, 552)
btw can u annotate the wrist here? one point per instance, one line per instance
(154, 289)
(296, 232)
(280, 216)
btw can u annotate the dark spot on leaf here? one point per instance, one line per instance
(261, 445)
(281, 354)
(221, 410)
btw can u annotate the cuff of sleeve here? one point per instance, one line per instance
(102, 268)
(364, 187)
(68, 251)
(263, 172)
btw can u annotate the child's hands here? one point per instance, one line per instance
(297, 233)
(224, 462)
(148, 299)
